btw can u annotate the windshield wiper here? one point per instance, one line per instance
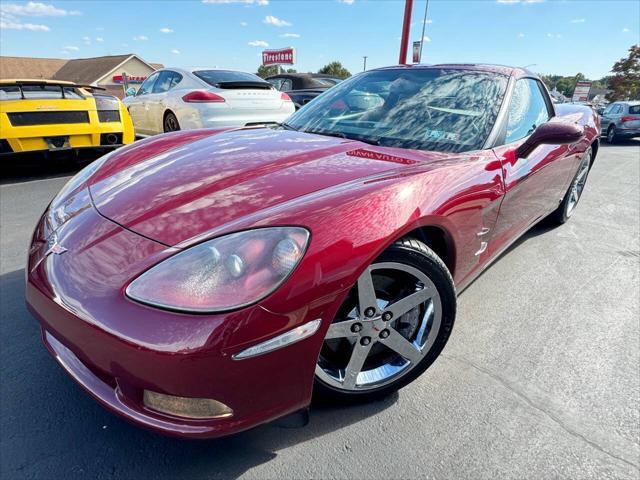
(326, 133)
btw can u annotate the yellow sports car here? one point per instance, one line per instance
(46, 115)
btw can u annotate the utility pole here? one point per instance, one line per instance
(364, 66)
(406, 25)
(424, 25)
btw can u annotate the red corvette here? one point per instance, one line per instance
(200, 283)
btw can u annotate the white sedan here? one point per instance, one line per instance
(182, 99)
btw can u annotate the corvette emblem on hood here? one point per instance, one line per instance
(53, 246)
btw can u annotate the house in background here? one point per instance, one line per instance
(103, 72)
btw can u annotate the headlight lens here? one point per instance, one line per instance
(224, 273)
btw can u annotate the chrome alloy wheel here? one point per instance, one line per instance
(578, 184)
(386, 326)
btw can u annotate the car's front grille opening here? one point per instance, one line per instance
(5, 147)
(24, 119)
(110, 139)
(108, 116)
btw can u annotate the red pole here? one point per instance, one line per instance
(404, 41)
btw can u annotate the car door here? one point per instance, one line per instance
(607, 117)
(137, 107)
(533, 185)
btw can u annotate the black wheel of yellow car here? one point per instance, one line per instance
(170, 122)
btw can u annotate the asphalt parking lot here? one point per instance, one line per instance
(540, 379)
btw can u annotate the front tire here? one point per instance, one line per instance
(170, 123)
(391, 327)
(611, 135)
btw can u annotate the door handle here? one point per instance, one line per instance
(483, 247)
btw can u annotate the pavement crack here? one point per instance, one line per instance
(534, 405)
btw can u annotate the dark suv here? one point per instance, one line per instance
(621, 120)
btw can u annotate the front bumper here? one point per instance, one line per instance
(116, 348)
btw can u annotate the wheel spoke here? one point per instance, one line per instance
(366, 293)
(401, 345)
(402, 306)
(354, 367)
(582, 174)
(341, 330)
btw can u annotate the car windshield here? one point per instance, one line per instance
(12, 92)
(216, 77)
(445, 110)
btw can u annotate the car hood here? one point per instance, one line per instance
(172, 190)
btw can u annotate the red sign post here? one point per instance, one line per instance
(282, 56)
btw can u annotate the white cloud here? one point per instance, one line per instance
(578, 20)
(243, 24)
(554, 35)
(8, 23)
(426, 39)
(625, 30)
(166, 30)
(521, 35)
(36, 9)
(175, 51)
(290, 35)
(258, 43)
(99, 39)
(347, 2)
(260, 3)
(275, 21)
(70, 48)
(140, 38)
(86, 40)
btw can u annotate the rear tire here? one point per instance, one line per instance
(397, 327)
(170, 122)
(574, 193)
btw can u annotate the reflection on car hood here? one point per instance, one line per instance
(187, 188)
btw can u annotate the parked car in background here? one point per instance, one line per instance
(182, 99)
(621, 120)
(205, 282)
(303, 87)
(48, 116)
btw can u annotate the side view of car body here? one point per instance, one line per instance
(183, 99)
(302, 87)
(44, 115)
(201, 283)
(620, 120)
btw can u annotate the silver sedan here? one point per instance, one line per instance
(181, 99)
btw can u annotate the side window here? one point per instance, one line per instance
(163, 82)
(527, 110)
(175, 79)
(618, 109)
(147, 85)
(276, 82)
(286, 85)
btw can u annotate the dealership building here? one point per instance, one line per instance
(106, 72)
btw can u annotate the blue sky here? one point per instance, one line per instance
(556, 36)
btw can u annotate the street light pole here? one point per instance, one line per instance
(424, 25)
(364, 66)
(406, 25)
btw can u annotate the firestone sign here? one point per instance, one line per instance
(283, 56)
(130, 78)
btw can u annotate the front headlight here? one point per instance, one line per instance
(224, 273)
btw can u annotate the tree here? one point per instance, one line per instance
(336, 69)
(625, 81)
(265, 71)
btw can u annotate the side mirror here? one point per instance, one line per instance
(551, 133)
(130, 91)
